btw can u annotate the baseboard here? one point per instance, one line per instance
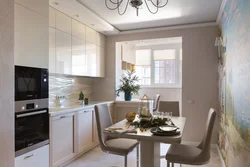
(221, 158)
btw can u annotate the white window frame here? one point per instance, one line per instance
(177, 48)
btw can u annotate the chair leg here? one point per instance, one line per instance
(168, 164)
(137, 156)
(125, 161)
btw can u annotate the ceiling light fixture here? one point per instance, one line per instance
(116, 4)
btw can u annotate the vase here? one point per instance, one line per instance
(127, 96)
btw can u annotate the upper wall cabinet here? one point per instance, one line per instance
(100, 40)
(100, 62)
(52, 17)
(91, 35)
(63, 53)
(31, 38)
(78, 30)
(79, 60)
(63, 22)
(52, 50)
(39, 6)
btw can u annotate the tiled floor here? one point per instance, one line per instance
(96, 158)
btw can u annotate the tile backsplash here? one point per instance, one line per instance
(70, 87)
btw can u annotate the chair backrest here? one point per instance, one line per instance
(156, 102)
(170, 106)
(205, 144)
(103, 121)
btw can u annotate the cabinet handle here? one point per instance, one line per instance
(29, 156)
(61, 117)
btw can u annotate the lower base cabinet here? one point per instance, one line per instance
(62, 139)
(72, 135)
(35, 158)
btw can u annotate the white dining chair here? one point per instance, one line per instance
(117, 146)
(156, 102)
(191, 155)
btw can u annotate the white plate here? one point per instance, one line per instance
(168, 128)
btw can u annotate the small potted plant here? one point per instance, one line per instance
(129, 85)
(81, 98)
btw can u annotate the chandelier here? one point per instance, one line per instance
(116, 4)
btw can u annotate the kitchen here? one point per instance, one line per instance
(68, 59)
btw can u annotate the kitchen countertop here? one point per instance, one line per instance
(64, 109)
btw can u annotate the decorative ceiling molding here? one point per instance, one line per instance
(221, 11)
(207, 24)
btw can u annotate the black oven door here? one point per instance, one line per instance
(30, 83)
(31, 130)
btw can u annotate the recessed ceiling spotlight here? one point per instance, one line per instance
(55, 3)
(77, 15)
(92, 25)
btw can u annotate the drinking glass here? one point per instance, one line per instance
(169, 116)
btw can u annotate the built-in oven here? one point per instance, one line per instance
(31, 130)
(31, 83)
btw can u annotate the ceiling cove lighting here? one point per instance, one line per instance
(117, 4)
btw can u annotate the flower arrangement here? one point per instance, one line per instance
(129, 85)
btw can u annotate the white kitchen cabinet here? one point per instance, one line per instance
(52, 50)
(78, 29)
(39, 6)
(37, 158)
(84, 126)
(79, 60)
(100, 40)
(91, 59)
(62, 138)
(90, 35)
(100, 62)
(52, 17)
(63, 53)
(63, 22)
(31, 38)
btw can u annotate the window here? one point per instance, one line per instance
(143, 66)
(159, 67)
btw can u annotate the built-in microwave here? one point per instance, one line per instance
(31, 83)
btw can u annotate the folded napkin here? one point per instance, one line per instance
(121, 130)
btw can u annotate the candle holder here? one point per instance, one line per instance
(145, 107)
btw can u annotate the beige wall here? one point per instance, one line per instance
(6, 83)
(199, 74)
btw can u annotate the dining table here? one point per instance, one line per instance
(149, 143)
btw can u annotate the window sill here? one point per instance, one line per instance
(161, 87)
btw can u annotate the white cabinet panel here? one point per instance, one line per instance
(78, 30)
(91, 59)
(37, 158)
(52, 50)
(79, 60)
(100, 40)
(90, 35)
(31, 38)
(39, 6)
(63, 53)
(100, 62)
(85, 130)
(63, 22)
(62, 138)
(52, 17)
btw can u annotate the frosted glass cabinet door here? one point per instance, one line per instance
(52, 50)
(100, 62)
(91, 59)
(63, 53)
(79, 62)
